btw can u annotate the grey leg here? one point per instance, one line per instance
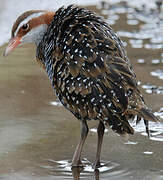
(100, 133)
(76, 157)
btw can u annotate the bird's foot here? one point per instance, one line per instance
(77, 164)
(97, 165)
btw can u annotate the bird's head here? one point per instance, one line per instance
(29, 28)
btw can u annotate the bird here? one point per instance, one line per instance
(88, 68)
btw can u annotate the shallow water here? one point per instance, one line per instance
(38, 136)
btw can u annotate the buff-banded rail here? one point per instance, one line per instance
(88, 68)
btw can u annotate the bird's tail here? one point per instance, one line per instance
(147, 115)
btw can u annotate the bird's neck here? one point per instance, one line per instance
(47, 18)
(41, 25)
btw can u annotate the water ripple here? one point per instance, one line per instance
(63, 168)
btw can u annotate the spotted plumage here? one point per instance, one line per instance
(89, 70)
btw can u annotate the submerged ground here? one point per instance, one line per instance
(38, 136)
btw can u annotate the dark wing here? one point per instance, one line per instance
(89, 69)
(98, 74)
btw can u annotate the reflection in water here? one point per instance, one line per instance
(156, 61)
(63, 168)
(148, 152)
(153, 89)
(156, 129)
(76, 173)
(158, 73)
(159, 113)
(96, 174)
(55, 103)
(141, 61)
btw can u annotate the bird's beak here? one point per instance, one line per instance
(13, 43)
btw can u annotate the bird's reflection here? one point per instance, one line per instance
(77, 170)
(96, 174)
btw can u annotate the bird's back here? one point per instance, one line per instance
(89, 69)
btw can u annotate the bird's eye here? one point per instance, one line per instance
(25, 27)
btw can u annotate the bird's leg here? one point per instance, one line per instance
(100, 133)
(76, 157)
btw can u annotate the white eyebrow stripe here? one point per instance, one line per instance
(34, 15)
